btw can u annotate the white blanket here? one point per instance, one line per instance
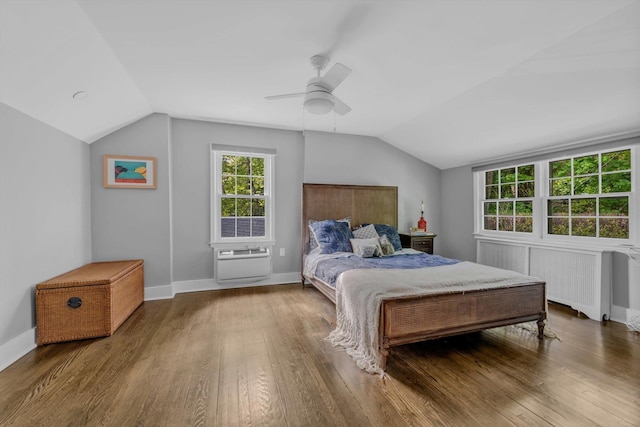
(359, 294)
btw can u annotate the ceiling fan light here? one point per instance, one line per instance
(318, 102)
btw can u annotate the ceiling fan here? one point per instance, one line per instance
(319, 97)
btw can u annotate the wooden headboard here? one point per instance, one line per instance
(363, 203)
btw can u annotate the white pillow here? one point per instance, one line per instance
(368, 232)
(366, 248)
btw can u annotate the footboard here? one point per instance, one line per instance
(413, 319)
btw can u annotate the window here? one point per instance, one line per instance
(582, 197)
(589, 195)
(508, 199)
(241, 200)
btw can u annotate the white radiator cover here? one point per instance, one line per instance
(578, 277)
(237, 264)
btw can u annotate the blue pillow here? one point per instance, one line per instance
(391, 232)
(332, 236)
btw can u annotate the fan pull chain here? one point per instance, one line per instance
(334, 121)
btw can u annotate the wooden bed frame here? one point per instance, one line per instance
(411, 319)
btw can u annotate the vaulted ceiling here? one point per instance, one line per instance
(450, 82)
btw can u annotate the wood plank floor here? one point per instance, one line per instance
(258, 356)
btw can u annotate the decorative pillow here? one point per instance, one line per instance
(391, 232)
(313, 243)
(385, 244)
(332, 236)
(366, 248)
(368, 232)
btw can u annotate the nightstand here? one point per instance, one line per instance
(419, 243)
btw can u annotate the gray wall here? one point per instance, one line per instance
(134, 223)
(456, 207)
(361, 160)
(44, 213)
(193, 258)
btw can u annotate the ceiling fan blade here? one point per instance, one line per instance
(285, 96)
(334, 77)
(340, 107)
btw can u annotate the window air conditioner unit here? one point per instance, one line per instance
(236, 264)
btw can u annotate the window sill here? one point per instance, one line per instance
(556, 243)
(242, 244)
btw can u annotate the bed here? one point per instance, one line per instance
(409, 318)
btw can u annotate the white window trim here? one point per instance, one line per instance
(540, 232)
(215, 240)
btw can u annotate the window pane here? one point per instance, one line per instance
(227, 206)
(617, 228)
(490, 222)
(616, 161)
(257, 166)
(585, 165)
(614, 206)
(558, 207)
(490, 208)
(586, 185)
(243, 185)
(560, 168)
(257, 207)
(583, 227)
(243, 165)
(558, 226)
(228, 185)
(583, 207)
(228, 227)
(560, 187)
(257, 227)
(524, 208)
(619, 182)
(505, 208)
(505, 223)
(507, 191)
(244, 207)
(507, 175)
(526, 173)
(526, 189)
(524, 224)
(491, 192)
(257, 186)
(229, 165)
(244, 227)
(490, 177)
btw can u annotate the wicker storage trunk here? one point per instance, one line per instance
(90, 301)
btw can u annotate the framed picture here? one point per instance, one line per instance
(129, 171)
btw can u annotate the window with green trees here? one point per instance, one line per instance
(508, 199)
(241, 198)
(589, 195)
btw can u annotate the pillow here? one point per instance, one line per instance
(391, 232)
(313, 243)
(385, 244)
(332, 236)
(368, 232)
(366, 248)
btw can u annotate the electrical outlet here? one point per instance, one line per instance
(281, 251)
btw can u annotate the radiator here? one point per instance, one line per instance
(579, 278)
(244, 264)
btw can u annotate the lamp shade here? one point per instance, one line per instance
(318, 102)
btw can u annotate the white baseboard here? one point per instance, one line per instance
(152, 293)
(212, 284)
(17, 347)
(623, 314)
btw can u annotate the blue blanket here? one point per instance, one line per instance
(328, 270)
